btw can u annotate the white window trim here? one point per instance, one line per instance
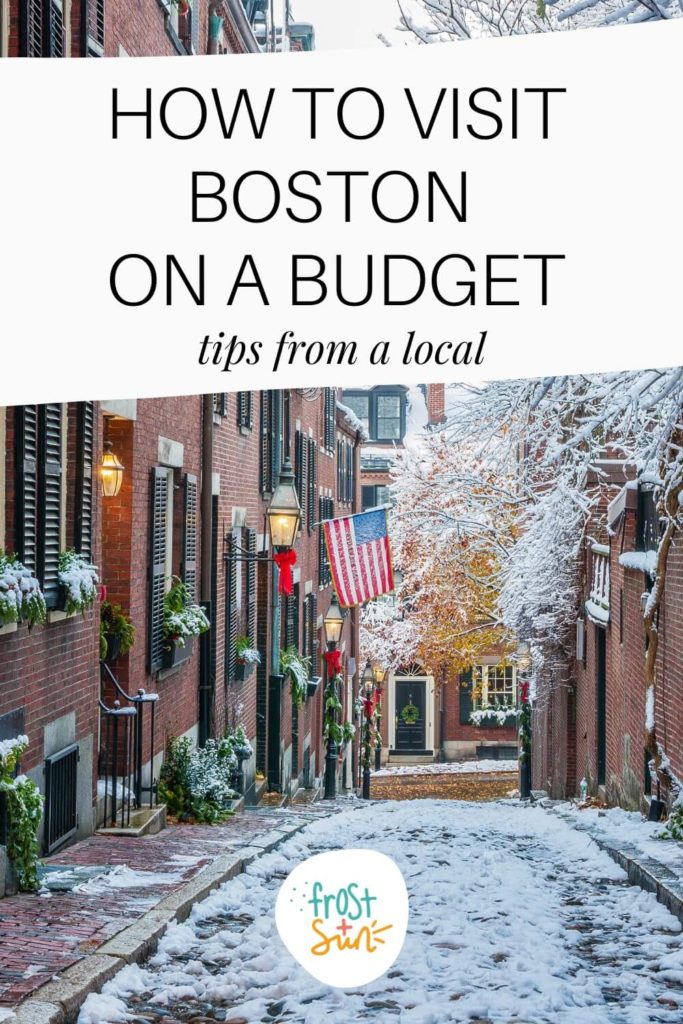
(483, 701)
(4, 34)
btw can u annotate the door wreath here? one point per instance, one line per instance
(410, 714)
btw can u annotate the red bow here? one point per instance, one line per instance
(524, 692)
(333, 659)
(284, 560)
(369, 706)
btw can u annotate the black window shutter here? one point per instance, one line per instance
(266, 453)
(190, 535)
(312, 483)
(351, 473)
(42, 29)
(300, 472)
(465, 697)
(230, 611)
(27, 485)
(251, 586)
(85, 447)
(289, 620)
(330, 404)
(244, 409)
(50, 500)
(157, 576)
(295, 616)
(276, 444)
(314, 633)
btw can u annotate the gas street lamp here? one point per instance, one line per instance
(333, 624)
(284, 511)
(367, 686)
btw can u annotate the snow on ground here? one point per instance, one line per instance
(448, 768)
(617, 827)
(123, 877)
(515, 916)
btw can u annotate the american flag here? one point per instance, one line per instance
(360, 556)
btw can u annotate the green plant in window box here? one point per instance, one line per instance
(21, 599)
(183, 618)
(246, 658)
(117, 632)
(24, 805)
(78, 581)
(297, 669)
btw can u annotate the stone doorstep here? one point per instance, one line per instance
(59, 1001)
(144, 822)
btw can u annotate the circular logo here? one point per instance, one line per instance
(343, 915)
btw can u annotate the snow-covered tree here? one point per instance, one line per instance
(433, 21)
(452, 527)
(555, 433)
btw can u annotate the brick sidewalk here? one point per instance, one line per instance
(40, 936)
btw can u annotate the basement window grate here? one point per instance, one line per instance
(61, 820)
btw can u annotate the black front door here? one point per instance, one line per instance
(410, 714)
(601, 693)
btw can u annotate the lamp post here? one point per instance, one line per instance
(284, 511)
(333, 624)
(378, 673)
(368, 685)
(523, 666)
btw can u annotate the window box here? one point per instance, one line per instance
(243, 670)
(177, 655)
(493, 719)
(312, 686)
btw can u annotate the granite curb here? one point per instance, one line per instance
(645, 872)
(59, 1001)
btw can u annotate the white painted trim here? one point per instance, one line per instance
(430, 709)
(4, 28)
(171, 453)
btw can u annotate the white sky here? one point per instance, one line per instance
(347, 23)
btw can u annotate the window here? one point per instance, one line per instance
(40, 497)
(382, 411)
(647, 520)
(360, 404)
(42, 29)
(494, 686)
(325, 511)
(163, 547)
(244, 410)
(346, 471)
(95, 41)
(220, 404)
(330, 409)
(389, 418)
(374, 495)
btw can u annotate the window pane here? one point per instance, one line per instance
(360, 405)
(389, 417)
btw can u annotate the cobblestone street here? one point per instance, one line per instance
(489, 786)
(514, 917)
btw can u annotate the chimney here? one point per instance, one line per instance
(436, 403)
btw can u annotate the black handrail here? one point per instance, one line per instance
(138, 702)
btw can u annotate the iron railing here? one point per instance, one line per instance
(122, 746)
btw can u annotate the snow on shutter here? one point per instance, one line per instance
(465, 697)
(580, 639)
(85, 446)
(251, 586)
(27, 485)
(190, 535)
(230, 610)
(50, 500)
(157, 581)
(311, 483)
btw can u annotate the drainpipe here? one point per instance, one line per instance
(206, 682)
(243, 27)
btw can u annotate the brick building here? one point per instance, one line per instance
(116, 28)
(589, 721)
(198, 475)
(443, 728)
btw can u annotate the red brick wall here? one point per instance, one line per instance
(52, 670)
